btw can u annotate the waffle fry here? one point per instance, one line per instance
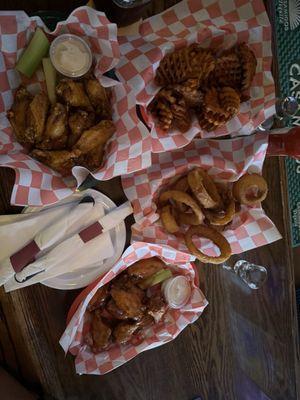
(195, 80)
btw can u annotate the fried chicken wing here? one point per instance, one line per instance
(114, 311)
(99, 97)
(92, 144)
(61, 161)
(101, 333)
(79, 121)
(56, 131)
(128, 301)
(123, 331)
(146, 267)
(98, 299)
(156, 307)
(17, 116)
(73, 93)
(36, 117)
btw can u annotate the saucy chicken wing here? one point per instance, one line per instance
(146, 267)
(99, 298)
(17, 116)
(128, 301)
(100, 333)
(79, 121)
(72, 92)
(124, 331)
(56, 131)
(99, 97)
(156, 307)
(36, 117)
(92, 143)
(61, 161)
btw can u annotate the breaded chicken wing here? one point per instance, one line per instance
(79, 121)
(56, 131)
(99, 97)
(73, 93)
(146, 267)
(17, 116)
(61, 161)
(92, 144)
(98, 299)
(36, 117)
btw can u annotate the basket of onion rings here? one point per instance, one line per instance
(205, 199)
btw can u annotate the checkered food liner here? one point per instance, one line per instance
(128, 149)
(175, 321)
(212, 23)
(226, 161)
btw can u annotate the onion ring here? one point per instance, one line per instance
(168, 220)
(182, 198)
(245, 184)
(217, 238)
(188, 219)
(204, 188)
(219, 217)
(182, 185)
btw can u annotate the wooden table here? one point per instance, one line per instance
(243, 347)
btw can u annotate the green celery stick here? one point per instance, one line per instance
(156, 278)
(33, 54)
(50, 76)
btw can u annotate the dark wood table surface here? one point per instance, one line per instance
(243, 347)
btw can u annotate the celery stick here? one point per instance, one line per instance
(156, 278)
(50, 76)
(33, 54)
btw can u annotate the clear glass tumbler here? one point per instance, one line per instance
(251, 274)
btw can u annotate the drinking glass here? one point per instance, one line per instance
(251, 274)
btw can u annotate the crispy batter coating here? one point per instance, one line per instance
(61, 161)
(73, 93)
(37, 114)
(79, 121)
(99, 97)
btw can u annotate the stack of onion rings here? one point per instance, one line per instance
(206, 208)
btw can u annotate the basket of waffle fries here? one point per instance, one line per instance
(57, 128)
(201, 71)
(205, 200)
(149, 296)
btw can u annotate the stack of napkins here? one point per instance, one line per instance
(41, 245)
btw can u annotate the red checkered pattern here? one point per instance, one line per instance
(128, 150)
(225, 160)
(215, 23)
(176, 320)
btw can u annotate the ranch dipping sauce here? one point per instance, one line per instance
(177, 291)
(70, 55)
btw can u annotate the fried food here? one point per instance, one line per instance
(146, 267)
(79, 121)
(129, 302)
(55, 135)
(73, 94)
(182, 198)
(224, 82)
(204, 188)
(92, 143)
(217, 238)
(168, 220)
(183, 186)
(98, 299)
(61, 161)
(36, 117)
(188, 62)
(221, 217)
(17, 116)
(250, 189)
(99, 97)
(100, 332)
(124, 331)
(188, 218)
(119, 310)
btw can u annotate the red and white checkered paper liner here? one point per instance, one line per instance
(87, 362)
(226, 161)
(129, 148)
(216, 23)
